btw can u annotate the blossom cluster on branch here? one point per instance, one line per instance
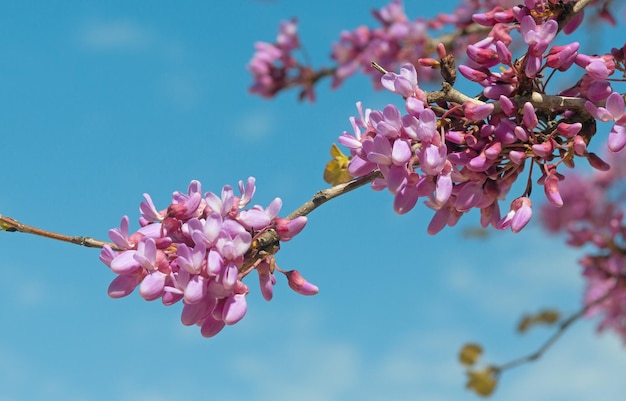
(198, 250)
(460, 152)
(275, 66)
(593, 217)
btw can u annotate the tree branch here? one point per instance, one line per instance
(263, 241)
(563, 326)
(325, 195)
(11, 225)
(538, 100)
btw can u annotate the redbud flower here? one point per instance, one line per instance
(538, 37)
(551, 188)
(596, 162)
(519, 216)
(287, 229)
(405, 83)
(562, 57)
(474, 74)
(614, 110)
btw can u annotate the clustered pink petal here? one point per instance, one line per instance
(196, 251)
(592, 215)
(613, 111)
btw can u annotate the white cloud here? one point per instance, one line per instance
(30, 293)
(181, 90)
(516, 269)
(114, 35)
(422, 365)
(255, 125)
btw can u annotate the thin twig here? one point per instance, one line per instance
(327, 194)
(563, 326)
(12, 225)
(270, 237)
(264, 240)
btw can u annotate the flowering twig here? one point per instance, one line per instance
(538, 100)
(11, 225)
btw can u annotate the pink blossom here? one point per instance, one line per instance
(196, 253)
(519, 216)
(614, 110)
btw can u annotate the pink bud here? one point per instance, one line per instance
(474, 75)
(477, 112)
(517, 156)
(479, 163)
(503, 53)
(485, 57)
(530, 117)
(521, 133)
(299, 284)
(493, 151)
(597, 163)
(508, 107)
(287, 229)
(428, 62)
(266, 280)
(543, 149)
(574, 22)
(562, 57)
(551, 188)
(441, 50)
(579, 145)
(569, 130)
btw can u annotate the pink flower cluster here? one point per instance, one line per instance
(593, 217)
(274, 67)
(462, 155)
(398, 40)
(198, 250)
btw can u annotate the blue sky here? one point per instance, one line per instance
(104, 100)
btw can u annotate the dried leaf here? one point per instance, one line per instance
(470, 353)
(546, 316)
(482, 382)
(336, 171)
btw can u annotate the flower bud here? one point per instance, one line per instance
(597, 163)
(299, 284)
